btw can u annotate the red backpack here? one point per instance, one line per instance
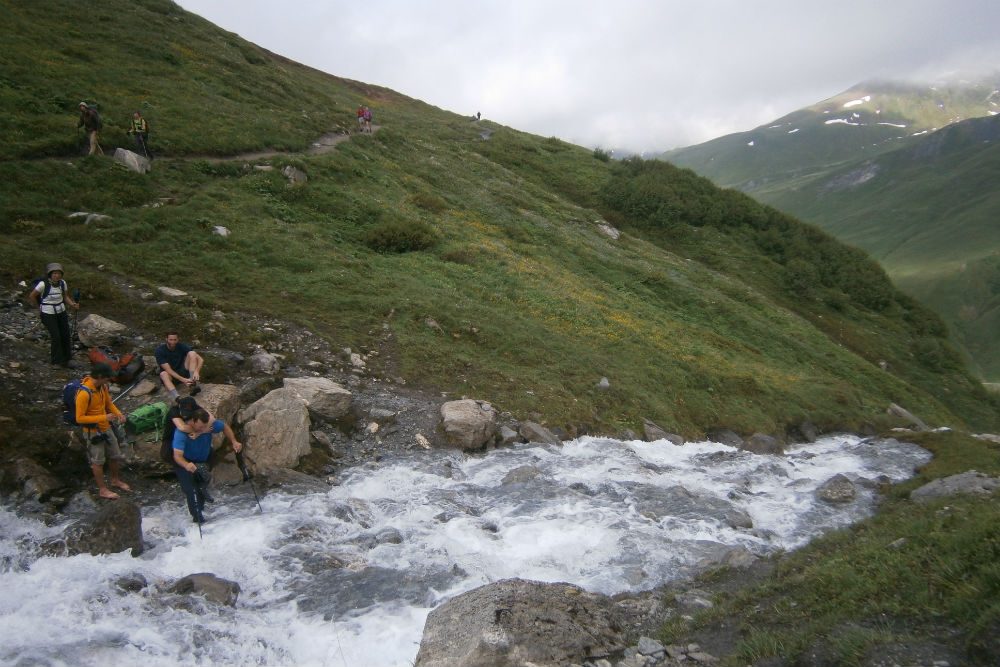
(126, 367)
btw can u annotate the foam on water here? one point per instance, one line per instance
(348, 577)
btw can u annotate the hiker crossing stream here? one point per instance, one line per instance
(346, 576)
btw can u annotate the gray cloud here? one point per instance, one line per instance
(636, 74)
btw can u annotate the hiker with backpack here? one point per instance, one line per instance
(178, 363)
(368, 120)
(361, 118)
(139, 128)
(191, 452)
(51, 296)
(98, 417)
(90, 121)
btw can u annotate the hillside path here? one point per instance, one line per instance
(323, 144)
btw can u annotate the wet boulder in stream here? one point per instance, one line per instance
(517, 622)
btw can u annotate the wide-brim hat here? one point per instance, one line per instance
(54, 266)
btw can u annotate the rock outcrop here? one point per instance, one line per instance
(971, 482)
(468, 424)
(212, 588)
(113, 529)
(95, 330)
(516, 622)
(276, 430)
(325, 399)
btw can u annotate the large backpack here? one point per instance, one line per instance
(69, 392)
(126, 367)
(98, 123)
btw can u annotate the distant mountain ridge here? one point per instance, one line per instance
(871, 167)
(863, 121)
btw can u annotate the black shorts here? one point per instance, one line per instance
(183, 372)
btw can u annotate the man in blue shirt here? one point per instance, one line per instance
(178, 363)
(191, 452)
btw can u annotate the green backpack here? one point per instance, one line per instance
(148, 417)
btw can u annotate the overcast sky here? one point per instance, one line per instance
(630, 74)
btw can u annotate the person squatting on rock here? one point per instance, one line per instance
(139, 129)
(99, 418)
(90, 121)
(191, 452)
(178, 362)
(51, 297)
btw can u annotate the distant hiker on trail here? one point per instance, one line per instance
(90, 120)
(361, 118)
(191, 452)
(140, 129)
(178, 363)
(478, 115)
(50, 296)
(368, 120)
(96, 413)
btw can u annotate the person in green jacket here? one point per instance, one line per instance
(139, 128)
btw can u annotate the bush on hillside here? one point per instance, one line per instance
(398, 236)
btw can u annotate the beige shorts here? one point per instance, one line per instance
(102, 446)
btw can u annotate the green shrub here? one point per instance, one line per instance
(400, 236)
(602, 155)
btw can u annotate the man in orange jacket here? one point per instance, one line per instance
(95, 412)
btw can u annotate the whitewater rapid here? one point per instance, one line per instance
(346, 578)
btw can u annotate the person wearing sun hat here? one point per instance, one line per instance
(51, 296)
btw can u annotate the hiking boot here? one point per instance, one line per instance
(199, 518)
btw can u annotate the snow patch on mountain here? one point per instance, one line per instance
(834, 121)
(892, 124)
(793, 131)
(854, 103)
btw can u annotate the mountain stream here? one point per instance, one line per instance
(346, 578)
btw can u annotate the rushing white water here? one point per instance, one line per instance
(347, 577)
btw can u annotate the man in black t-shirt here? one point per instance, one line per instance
(178, 363)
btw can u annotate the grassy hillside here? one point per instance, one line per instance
(711, 310)
(863, 122)
(928, 213)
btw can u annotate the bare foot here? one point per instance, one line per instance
(121, 485)
(108, 494)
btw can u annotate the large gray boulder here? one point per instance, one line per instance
(113, 529)
(468, 424)
(276, 430)
(325, 398)
(966, 483)
(32, 480)
(133, 161)
(212, 588)
(95, 330)
(837, 490)
(760, 443)
(514, 622)
(533, 432)
(652, 432)
(262, 362)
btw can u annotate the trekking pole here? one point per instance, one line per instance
(130, 387)
(75, 336)
(143, 142)
(247, 477)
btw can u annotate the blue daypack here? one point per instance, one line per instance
(69, 392)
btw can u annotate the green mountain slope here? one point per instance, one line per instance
(865, 121)
(928, 213)
(710, 310)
